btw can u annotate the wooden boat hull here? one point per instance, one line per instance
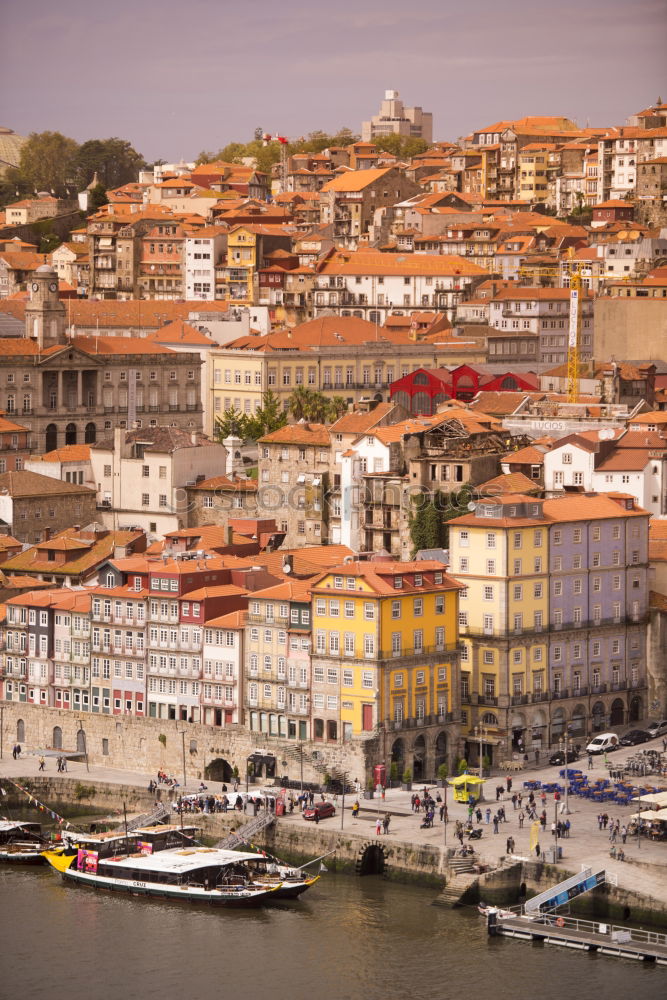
(292, 890)
(27, 857)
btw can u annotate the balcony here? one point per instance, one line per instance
(599, 689)
(487, 699)
(539, 696)
(519, 699)
(411, 653)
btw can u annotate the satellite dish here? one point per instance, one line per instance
(471, 506)
(287, 568)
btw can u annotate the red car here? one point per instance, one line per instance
(321, 810)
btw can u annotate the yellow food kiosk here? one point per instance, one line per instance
(467, 787)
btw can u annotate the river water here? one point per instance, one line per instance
(348, 938)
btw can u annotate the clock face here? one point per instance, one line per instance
(53, 286)
(35, 286)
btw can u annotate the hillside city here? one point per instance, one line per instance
(341, 450)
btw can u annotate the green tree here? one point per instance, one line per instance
(230, 424)
(115, 161)
(301, 402)
(270, 417)
(48, 163)
(49, 242)
(97, 197)
(335, 408)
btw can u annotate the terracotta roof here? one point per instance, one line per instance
(509, 482)
(374, 574)
(356, 180)
(8, 426)
(570, 507)
(657, 600)
(625, 460)
(357, 422)
(216, 590)
(32, 484)
(115, 313)
(162, 439)
(316, 435)
(291, 590)
(85, 561)
(501, 403)
(68, 453)
(235, 619)
(226, 483)
(373, 262)
(179, 332)
(525, 456)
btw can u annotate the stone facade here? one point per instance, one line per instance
(42, 514)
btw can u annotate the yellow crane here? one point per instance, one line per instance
(576, 269)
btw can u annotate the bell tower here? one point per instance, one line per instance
(45, 313)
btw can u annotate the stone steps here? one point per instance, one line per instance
(456, 888)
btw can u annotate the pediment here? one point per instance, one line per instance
(70, 357)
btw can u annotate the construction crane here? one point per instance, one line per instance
(577, 271)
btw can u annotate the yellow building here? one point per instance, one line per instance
(385, 639)
(533, 164)
(239, 379)
(500, 553)
(247, 245)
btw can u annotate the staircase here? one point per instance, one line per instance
(245, 833)
(457, 887)
(159, 815)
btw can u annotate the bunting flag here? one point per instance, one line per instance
(39, 805)
(534, 835)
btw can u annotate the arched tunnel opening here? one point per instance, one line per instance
(372, 861)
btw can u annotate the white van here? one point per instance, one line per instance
(602, 743)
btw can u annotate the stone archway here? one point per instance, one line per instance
(57, 738)
(398, 755)
(617, 715)
(372, 860)
(557, 724)
(20, 731)
(635, 712)
(577, 727)
(419, 759)
(80, 741)
(219, 770)
(538, 733)
(518, 727)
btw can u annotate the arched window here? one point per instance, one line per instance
(318, 729)
(489, 719)
(20, 731)
(90, 434)
(70, 434)
(57, 739)
(51, 438)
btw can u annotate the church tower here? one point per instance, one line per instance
(45, 313)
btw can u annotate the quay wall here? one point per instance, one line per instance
(142, 744)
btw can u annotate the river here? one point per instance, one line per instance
(348, 938)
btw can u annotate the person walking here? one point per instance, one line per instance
(624, 833)
(590, 761)
(488, 815)
(385, 823)
(378, 827)
(42, 764)
(521, 819)
(355, 809)
(495, 824)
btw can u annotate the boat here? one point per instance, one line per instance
(21, 843)
(289, 882)
(194, 874)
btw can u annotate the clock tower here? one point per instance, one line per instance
(45, 313)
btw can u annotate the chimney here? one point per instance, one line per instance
(193, 438)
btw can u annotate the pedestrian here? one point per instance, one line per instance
(512, 845)
(14, 751)
(488, 815)
(385, 822)
(508, 845)
(478, 814)
(495, 824)
(378, 827)
(543, 798)
(417, 803)
(499, 792)
(317, 816)
(590, 761)
(412, 801)
(18, 751)
(599, 821)
(543, 819)
(566, 826)
(537, 850)
(443, 813)
(519, 799)
(624, 833)
(521, 819)
(42, 764)
(355, 810)
(509, 784)
(514, 801)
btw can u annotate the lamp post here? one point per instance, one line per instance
(183, 748)
(564, 745)
(481, 732)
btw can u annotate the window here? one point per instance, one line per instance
(490, 540)
(488, 593)
(418, 607)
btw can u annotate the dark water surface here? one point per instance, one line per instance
(347, 939)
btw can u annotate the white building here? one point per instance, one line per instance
(395, 119)
(223, 657)
(141, 475)
(203, 250)
(544, 312)
(71, 464)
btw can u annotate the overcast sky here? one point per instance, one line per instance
(178, 76)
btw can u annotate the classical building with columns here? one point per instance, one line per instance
(73, 390)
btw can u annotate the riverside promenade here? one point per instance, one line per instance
(644, 871)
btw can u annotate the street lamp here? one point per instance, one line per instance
(481, 732)
(564, 745)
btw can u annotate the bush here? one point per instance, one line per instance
(443, 771)
(163, 739)
(462, 765)
(393, 771)
(83, 791)
(486, 762)
(407, 776)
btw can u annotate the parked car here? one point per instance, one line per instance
(603, 743)
(634, 737)
(657, 728)
(321, 810)
(559, 757)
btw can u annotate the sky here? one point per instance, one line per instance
(179, 76)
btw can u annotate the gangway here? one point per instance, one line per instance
(563, 892)
(159, 815)
(245, 833)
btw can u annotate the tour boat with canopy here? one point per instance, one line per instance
(21, 843)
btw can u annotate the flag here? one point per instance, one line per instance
(323, 867)
(282, 138)
(534, 835)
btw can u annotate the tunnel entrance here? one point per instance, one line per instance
(219, 770)
(371, 860)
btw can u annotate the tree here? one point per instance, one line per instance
(115, 161)
(300, 403)
(48, 163)
(336, 407)
(49, 242)
(230, 424)
(268, 418)
(97, 197)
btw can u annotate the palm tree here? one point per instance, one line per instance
(300, 403)
(336, 407)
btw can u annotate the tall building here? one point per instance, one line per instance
(395, 119)
(553, 617)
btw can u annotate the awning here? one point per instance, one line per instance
(466, 779)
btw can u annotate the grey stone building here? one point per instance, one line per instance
(37, 507)
(71, 390)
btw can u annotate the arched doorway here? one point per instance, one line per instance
(597, 714)
(81, 741)
(398, 755)
(219, 770)
(557, 724)
(51, 438)
(70, 434)
(440, 751)
(635, 713)
(20, 731)
(57, 740)
(617, 712)
(90, 433)
(419, 759)
(539, 728)
(372, 861)
(518, 727)
(577, 726)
